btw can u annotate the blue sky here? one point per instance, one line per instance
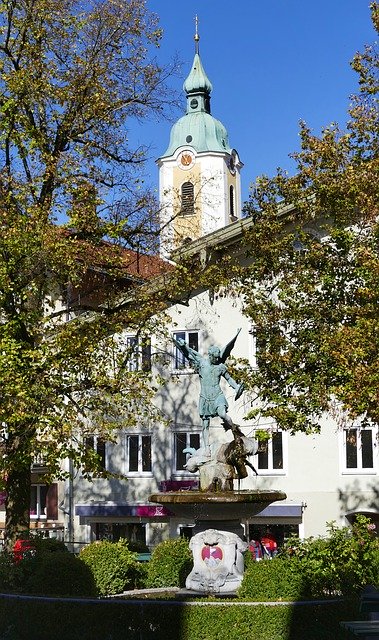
(271, 63)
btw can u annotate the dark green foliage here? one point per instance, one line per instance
(341, 564)
(270, 580)
(38, 620)
(170, 564)
(282, 622)
(54, 574)
(48, 544)
(11, 574)
(344, 563)
(57, 574)
(314, 304)
(114, 567)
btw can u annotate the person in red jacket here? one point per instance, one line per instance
(269, 543)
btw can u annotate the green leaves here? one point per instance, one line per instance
(342, 563)
(71, 74)
(312, 290)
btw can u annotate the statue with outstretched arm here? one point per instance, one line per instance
(212, 401)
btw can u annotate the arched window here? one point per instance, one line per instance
(187, 199)
(232, 209)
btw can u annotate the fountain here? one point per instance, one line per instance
(217, 509)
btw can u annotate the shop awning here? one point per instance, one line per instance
(282, 510)
(111, 510)
(280, 513)
(102, 510)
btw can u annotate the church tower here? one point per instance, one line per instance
(199, 173)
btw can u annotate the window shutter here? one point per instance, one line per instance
(52, 502)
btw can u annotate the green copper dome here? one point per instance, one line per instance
(198, 128)
(197, 80)
(200, 131)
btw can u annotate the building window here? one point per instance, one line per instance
(44, 501)
(360, 450)
(187, 199)
(271, 456)
(192, 339)
(139, 454)
(98, 445)
(184, 440)
(139, 354)
(38, 499)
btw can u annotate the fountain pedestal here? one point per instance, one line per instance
(217, 545)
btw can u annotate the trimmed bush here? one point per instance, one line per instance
(24, 576)
(114, 567)
(170, 564)
(48, 545)
(40, 620)
(52, 574)
(270, 580)
(57, 574)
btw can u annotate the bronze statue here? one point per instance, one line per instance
(212, 401)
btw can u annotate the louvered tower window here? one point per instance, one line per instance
(187, 199)
(232, 208)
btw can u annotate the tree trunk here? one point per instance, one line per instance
(17, 505)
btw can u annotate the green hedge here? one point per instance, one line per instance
(50, 545)
(50, 572)
(170, 564)
(270, 580)
(22, 620)
(114, 567)
(57, 574)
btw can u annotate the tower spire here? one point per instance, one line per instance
(197, 37)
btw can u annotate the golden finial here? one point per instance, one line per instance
(197, 37)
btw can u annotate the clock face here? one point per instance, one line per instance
(186, 160)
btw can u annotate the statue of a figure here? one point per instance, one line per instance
(212, 401)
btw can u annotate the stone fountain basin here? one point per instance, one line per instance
(223, 505)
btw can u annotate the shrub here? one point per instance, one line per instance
(171, 562)
(57, 574)
(49, 545)
(276, 579)
(15, 572)
(130, 620)
(345, 562)
(114, 567)
(11, 575)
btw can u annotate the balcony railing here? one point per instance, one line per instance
(39, 463)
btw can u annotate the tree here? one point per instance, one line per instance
(313, 288)
(72, 75)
